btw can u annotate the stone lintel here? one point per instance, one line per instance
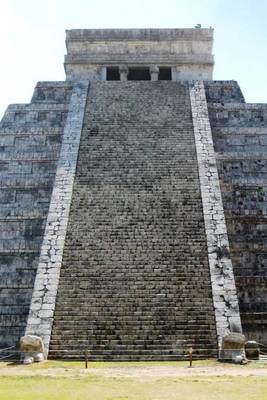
(164, 59)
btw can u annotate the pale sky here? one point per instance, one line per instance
(32, 37)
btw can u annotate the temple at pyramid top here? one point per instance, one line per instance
(139, 54)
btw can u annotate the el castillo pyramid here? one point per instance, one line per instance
(133, 202)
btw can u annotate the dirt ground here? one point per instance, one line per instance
(134, 370)
(172, 371)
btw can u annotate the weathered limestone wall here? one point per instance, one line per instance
(30, 139)
(223, 92)
(221, 271)
(135, 281)
(43, 300)
(240, 139)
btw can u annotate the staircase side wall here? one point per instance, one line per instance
(43, 300)
(221, 270)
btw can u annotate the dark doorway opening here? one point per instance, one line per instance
(113, 74)
(165, 74)
(139, 74)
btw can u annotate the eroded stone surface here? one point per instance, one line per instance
(135, 279)
(40, 318)
(240, 140)
(221, 271)
(233, 348)
(188, 51)
(31, 343)
(30, 140)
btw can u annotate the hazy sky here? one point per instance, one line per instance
(32, 35)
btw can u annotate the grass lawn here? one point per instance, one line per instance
(59, 380)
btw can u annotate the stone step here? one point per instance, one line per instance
(135, 276)
(125, 351)
(123, 357)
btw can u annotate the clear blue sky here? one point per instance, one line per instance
(32, 34)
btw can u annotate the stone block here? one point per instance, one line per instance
(233, 347)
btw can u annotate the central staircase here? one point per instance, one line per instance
(135, 282)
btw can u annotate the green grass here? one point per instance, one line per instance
(60, 380)
(96, 388)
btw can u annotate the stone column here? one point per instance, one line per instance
(154, 72)
(40, 319)
(221, 270)
(176, 74)
(123, 69)
(103, 73)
